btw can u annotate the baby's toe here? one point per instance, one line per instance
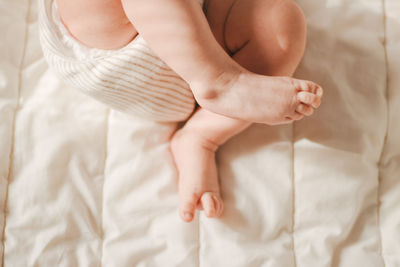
(295, 117)
(187, 206)
(311, 87)
(318, 90)
(220, 205)
(304, 109)
(212, 204)
(309, 99)
(308, 86)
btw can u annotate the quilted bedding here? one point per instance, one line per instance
(82, 185)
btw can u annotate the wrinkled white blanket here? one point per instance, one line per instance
(81, 185)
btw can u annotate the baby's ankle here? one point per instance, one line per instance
(211, 89)
(193, 140)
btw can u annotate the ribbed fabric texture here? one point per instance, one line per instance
(131, 79)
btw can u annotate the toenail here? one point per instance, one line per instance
(188, 216)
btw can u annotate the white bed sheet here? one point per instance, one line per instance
(82, 185)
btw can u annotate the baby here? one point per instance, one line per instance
(237, 56)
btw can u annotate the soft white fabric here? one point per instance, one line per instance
(81, 185)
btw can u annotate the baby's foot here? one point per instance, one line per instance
(198, 179)
(258, 98)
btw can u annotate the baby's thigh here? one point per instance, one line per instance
(97, 23)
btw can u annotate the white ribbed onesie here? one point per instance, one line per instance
(131, 79)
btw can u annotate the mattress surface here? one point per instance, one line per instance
(83, 185)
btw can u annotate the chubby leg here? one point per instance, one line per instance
(179, 33)
(193, 148)
(254, 46)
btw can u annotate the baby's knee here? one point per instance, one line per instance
(289, 25)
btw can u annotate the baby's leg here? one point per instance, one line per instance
(195, 144)
(97, 23)
(193, 148)
(179, 33)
